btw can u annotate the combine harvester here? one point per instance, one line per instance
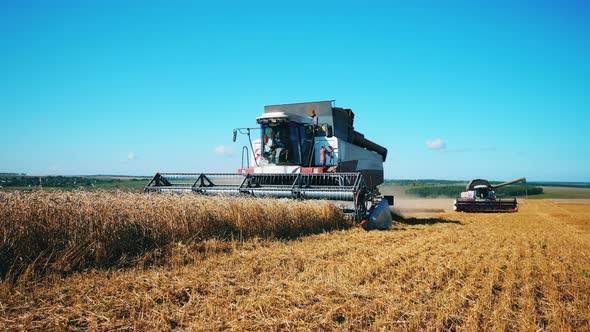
(303, 151)
(481, 197)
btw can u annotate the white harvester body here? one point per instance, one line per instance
(304, 151)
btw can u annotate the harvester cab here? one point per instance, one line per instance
(302, 151)
(482, 192)
(286, 139)
(480, 196)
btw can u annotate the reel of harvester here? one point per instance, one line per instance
(348, 190)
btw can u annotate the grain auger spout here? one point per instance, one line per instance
(301, 151)
(523, 180)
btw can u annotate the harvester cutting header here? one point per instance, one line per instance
(303, 151)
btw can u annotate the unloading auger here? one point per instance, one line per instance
(304, 151)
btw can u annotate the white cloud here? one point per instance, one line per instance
(131, 156)
(436, 144)
(223, 150)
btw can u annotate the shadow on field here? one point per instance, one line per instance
(421, 221)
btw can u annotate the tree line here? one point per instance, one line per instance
(55, 181)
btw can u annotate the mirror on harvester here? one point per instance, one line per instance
(235, 135)
(328, 130)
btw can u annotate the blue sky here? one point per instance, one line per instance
(454, 89)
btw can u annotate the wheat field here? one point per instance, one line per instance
(70, 231)
(446, 271)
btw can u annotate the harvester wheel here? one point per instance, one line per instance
(362, 204)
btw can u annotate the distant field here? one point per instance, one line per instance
(390, 189)
(564, 192)
(66, 183)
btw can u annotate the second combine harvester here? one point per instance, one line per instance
(480, 196)
(302, 151)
